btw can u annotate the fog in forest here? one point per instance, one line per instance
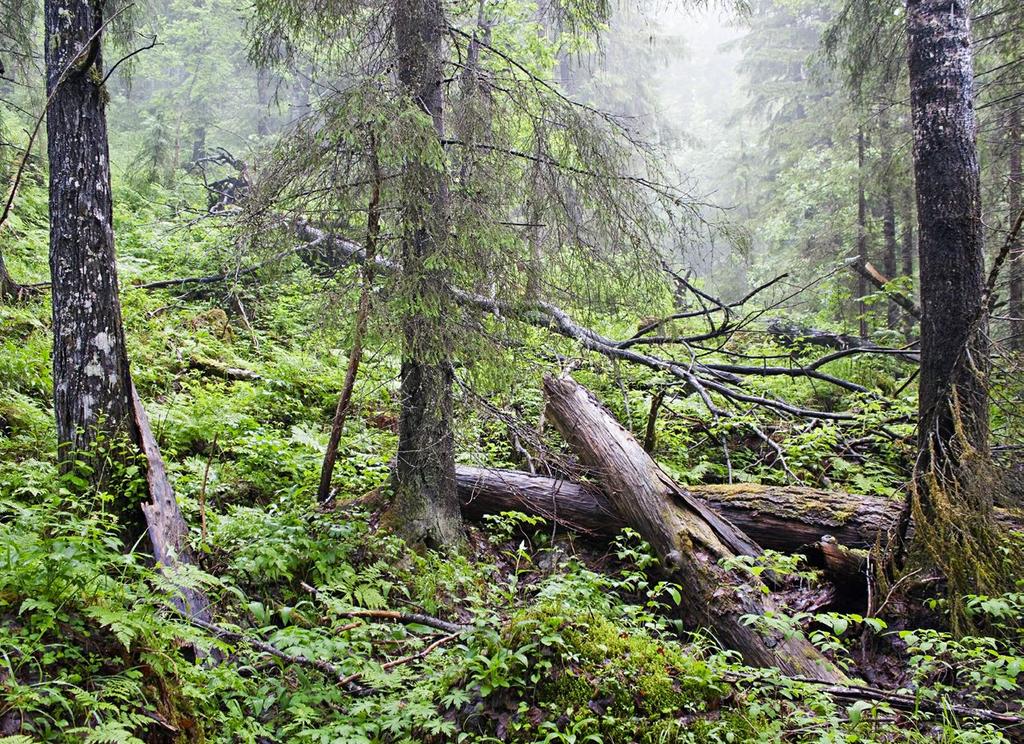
(527, 371)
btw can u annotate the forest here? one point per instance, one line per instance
(551, 371)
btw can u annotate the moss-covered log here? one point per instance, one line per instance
(784, 518)
(686, 534)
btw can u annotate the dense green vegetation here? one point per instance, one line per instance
(325, 625)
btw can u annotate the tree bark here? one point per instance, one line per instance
(951, 500)
(889, 225)
(165, 525)
(783, 518)
(1016, 180)
(95, 402)
(862, 234)
(9, 289)
(907, 250)
(889, 259)
(954, 350)
(426, 507)
(689, 538)
(91, 384)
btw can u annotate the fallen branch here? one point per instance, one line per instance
(324, 667)
(897, 701)
(874, 276)
(166, 527)
(405, 618)
(407, 659)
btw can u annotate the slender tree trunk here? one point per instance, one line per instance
(426, 506)
(1016, 180)
(198, 142)
(362, 316)
(862, 234)
(889, 259)
(952, 501)
(907, 251)
(264, 97)
(91, 384)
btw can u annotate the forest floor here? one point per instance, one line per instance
(327, 628)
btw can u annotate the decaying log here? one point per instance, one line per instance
(687, 535)
(783, 518)
(219, 369)
(166, 528)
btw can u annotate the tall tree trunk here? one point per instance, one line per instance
(889, 224)
(91, 383)
(952, 502)
(264, 97)
(198, 142)
(907, 250)
(1016, 180)
(862, 234)
(426, 506)
(889, 259)
(96, 407)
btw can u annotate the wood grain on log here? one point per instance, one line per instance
(689, 538)
(784, 518)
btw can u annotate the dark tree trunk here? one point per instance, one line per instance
(862, 234)
(198, 143)
(96, 407)
(907, 250)
(954, 349)
(91, 384)
(889, 259)
(889, 226)
(1016, 179)
(952, 504)
(426, 507)
(688, 537)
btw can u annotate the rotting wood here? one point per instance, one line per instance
(689, 538)
(783, 518)
(165, 525)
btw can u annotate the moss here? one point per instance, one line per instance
(628, 685)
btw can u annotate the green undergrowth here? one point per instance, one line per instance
(552, 651)
(564, 643)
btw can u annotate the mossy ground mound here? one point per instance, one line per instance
(596, 681)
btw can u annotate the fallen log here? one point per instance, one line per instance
(688, 537)
(165, 525)
(783, 518)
